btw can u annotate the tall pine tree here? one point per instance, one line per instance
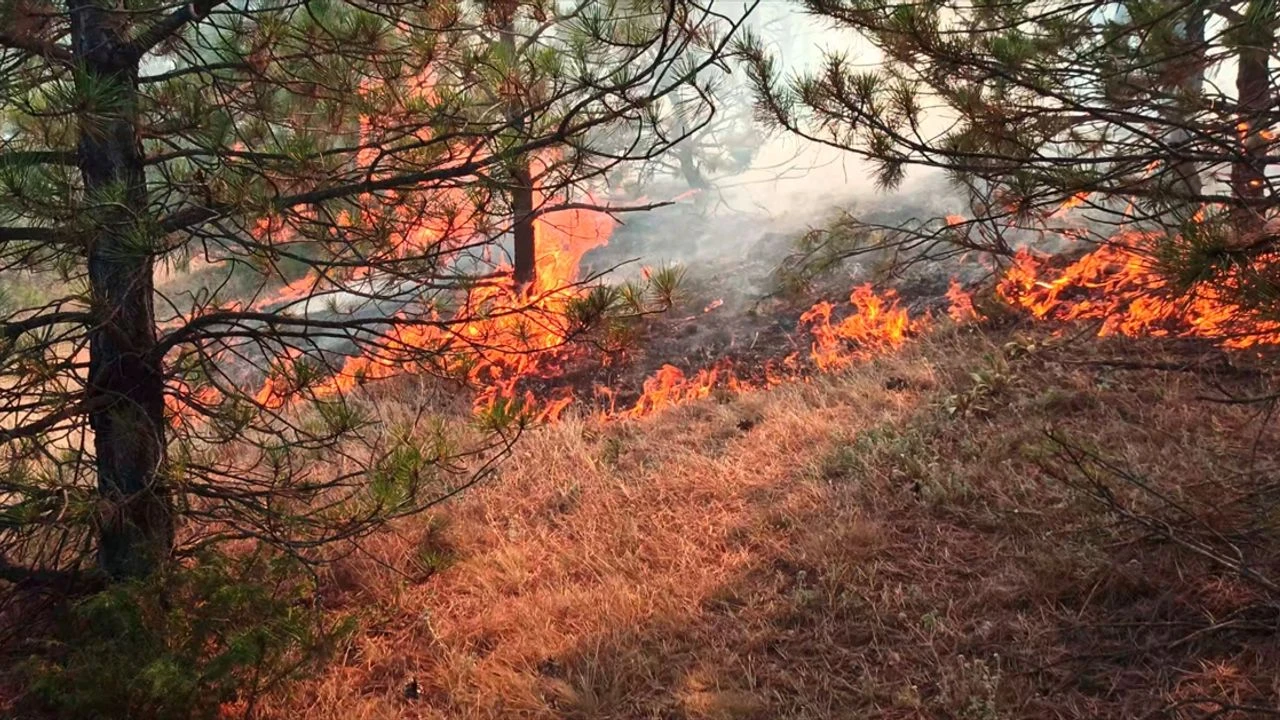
(193, 196)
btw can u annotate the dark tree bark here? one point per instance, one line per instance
(526, 269)
(125, 389)
(1253, 90)
(1187, 171)
(525, 251)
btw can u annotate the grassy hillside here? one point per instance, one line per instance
(891, 543)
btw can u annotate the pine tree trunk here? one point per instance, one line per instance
(689, 167)
(1186, 171)
(526, 269)
(525, 251)
(125, 389)
(1253, 92)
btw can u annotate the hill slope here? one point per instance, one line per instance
(886, 543)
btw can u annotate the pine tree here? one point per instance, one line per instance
(1155, 115)
(195, 196)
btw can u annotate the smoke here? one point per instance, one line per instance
(763, 188)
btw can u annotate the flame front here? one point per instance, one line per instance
(1119, 285)
(501, 334)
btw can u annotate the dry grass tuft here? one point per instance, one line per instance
(882, 544)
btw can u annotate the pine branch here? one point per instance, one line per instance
(38, 157)
(25, 576)
(193, 70)
(36, 46)
(164, 28)
(17, 327)
(37, 234)
(46, 423)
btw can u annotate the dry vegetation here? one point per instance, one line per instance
(889, 543)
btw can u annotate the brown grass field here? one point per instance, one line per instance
(888, 543)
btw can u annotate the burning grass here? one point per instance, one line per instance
(881, 543)
(892, 534)
(1123, 287)
(524, 353)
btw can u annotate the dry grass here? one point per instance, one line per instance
(883, 544)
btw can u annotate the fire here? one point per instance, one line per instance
(1119, 286)
(490, 335)
(879, 324)
(498, 334)
(274, 392)
(300, 288)
(1070, 204)
(181, 397)
(669, 386)
(512, 335)
(961, 308)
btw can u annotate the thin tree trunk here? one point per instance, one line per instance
(1253, 92)
(522, 217)
(125, 387)
(689, 166)
(1187, 172)
(526, 268)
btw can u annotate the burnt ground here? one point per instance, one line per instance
(731, 313)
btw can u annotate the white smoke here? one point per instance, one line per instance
(792, 184)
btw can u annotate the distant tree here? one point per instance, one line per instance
(165, 168)
(720, 142)
(1157, 115)
(723, 148)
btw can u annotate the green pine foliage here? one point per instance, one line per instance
(1147, 115)
(185, 643)
(166, 171)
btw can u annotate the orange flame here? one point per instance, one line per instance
(669, 386)
(961, 303)
(498, 334)
(1118, 286)
(1070, 204)
(180, 398)
(879, 324)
